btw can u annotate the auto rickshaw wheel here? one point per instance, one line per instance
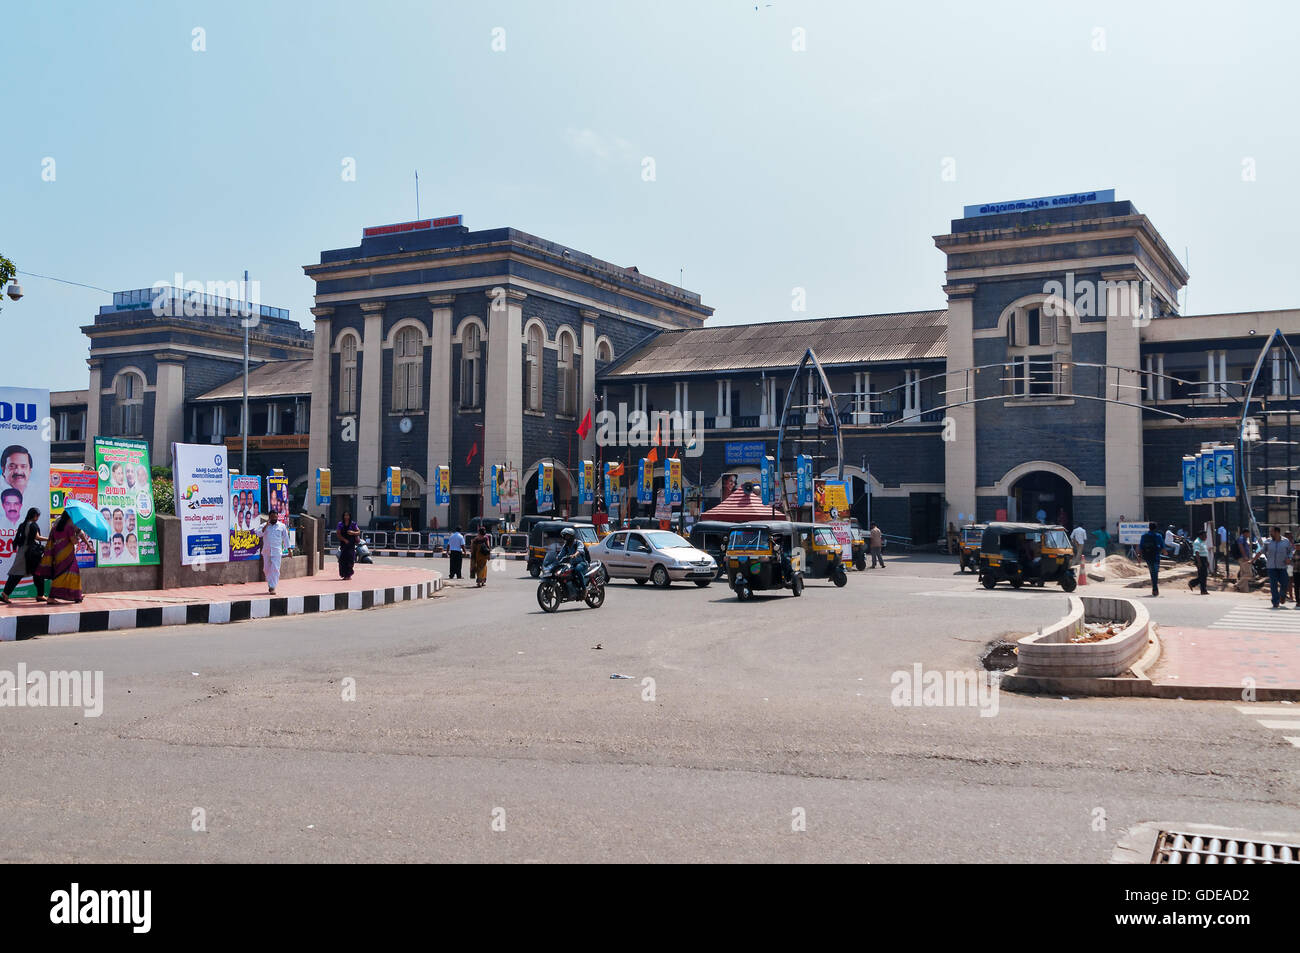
(535, 571)
(702, 583)
(742, 592)
(796, 585)
(860, 562)
(1016, 582)
(988, 580)
(1068, 582)
(840, 577)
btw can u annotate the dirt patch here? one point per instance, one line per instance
(1000, 655)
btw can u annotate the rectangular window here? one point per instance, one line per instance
(1034, 327)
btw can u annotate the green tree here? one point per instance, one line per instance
(7, 270)
(163, 496)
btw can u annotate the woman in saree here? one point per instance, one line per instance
(59, 564)
(348, 534)
(480, 553)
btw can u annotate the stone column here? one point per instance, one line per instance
(587, 384)
(441, 402)
(318, 429)
(959, 453)
(370, 423)
(1123, 447)
(503, 391)
(169, 404)
(92, 408)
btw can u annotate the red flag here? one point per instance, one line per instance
(616, 469)
(473, 452)
(653, 455)
(584, 428)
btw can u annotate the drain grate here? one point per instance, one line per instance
(1179, 847)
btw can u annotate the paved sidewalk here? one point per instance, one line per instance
(370, 586)
(1195, 657)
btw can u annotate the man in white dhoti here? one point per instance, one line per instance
(275, 540)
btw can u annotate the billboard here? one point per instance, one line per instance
(1225, 470)
(673, 481)
(277, 496)
(830, 501)
(1205, 487)
(323, 486)
(1191, 479)
(392, 486)
(124, 492)
(202, 491)
(74, 483)
(508, 489)
(803, 480)
(766, 477)
(587, 482)
(25, 463)
(496, 478)
(545, 487)
(645, 481)
(245, 514)
(442, 485)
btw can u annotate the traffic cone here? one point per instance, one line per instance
(1083, 571)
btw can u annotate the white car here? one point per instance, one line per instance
(653, 555)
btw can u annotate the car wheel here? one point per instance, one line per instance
(642, 582)
(659, 576)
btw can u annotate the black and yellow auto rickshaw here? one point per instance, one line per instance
(711, 536)
(972, 537)
(822, 557)
(757, 560)
(1021, 553)
(546, 534)
(859, 547)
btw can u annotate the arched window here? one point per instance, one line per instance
(1038, 351)
(348, 375)
(568, 399)
(130, 405)
(533, 393)
(471, 365)
(408, 369)
(604, 353)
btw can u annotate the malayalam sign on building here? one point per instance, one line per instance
(125, 498)
(202, 502)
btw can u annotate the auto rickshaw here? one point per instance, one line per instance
(712, 536)
(1020, 553)
(859, 547)
(546, 534)
(757, 560)
(822, 557)
(972, 535)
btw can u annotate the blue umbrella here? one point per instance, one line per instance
(87, 519)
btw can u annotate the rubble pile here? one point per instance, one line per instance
(1097, 632)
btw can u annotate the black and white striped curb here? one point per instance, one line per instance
(426, 554)
(14, 628)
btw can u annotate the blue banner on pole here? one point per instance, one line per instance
(804, 479)
(1191, 479)
(767, 468)
(1225, 470)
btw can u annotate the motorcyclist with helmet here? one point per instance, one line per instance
(575, 553)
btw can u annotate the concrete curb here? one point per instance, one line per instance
(17, 628)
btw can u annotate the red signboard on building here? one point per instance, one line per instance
(446, 221)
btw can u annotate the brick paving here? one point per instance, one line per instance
(365, 578)
(1223, 657)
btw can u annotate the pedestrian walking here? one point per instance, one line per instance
(27, 557)
(59, 564)
(1150, 546)
(1295, 574)
(1245, 554)
(952, 539)
(1201, 553)
(480, 554)
(1079, 538)
(275, 540)
(877, 545)
(456, 552)
(349, 534)
(1222, 546)
(1277, 554)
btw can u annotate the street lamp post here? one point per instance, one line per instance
(244, 441)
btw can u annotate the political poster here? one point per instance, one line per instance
(277, 496)
(324, 485)
(124, 493)
(202, 491)
(803, 479)
(508, 490)
(1205, 491)
(545, 487)
(1191, 479)
(587, 483)
(74, 483)
(830, 501)
(245, 515)
(442, 485)
(673, 481)
(25, 464)
(1225, 469)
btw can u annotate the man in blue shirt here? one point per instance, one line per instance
(1150, 546)
(1277, 551)
(456, 550)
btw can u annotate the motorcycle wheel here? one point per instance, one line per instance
(595, 595)
(548, 596)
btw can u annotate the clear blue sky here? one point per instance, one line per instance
(775, 169)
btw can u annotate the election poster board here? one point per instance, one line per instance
(24, 465)
(245, 514)
(74, 483)
(202, 491)
(125, 496)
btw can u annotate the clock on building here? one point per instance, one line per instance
(404, 424)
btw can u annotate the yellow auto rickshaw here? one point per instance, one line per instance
(1020, 553)
(972, 535)
(822, 556)
(757, 561)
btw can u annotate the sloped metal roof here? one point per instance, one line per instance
(273, 379)
(906, 336)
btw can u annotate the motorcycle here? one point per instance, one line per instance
(363, 553)
(553, 589)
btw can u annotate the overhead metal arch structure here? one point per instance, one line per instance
(1248, 434)
(825, 405)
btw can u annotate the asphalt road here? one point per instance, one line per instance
(484, 730)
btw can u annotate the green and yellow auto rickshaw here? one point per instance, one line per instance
(758, 561)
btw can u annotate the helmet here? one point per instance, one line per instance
(567, 533)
